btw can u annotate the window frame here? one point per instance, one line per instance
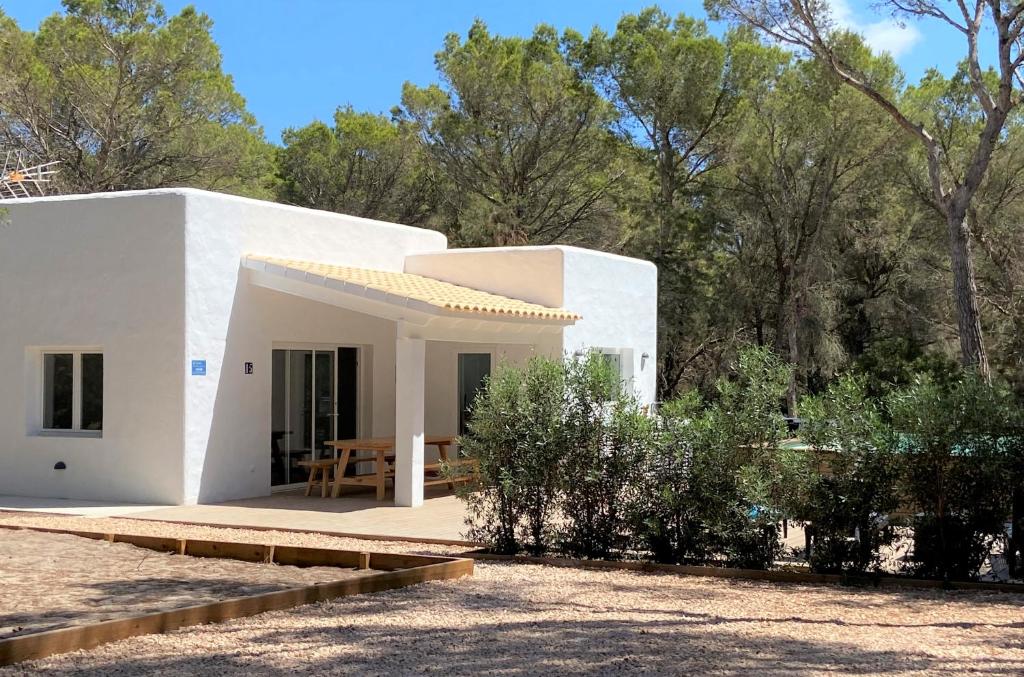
(624, 356)
(76, 429)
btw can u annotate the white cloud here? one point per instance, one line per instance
(886, 35)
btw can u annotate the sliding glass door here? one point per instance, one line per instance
(307, 387)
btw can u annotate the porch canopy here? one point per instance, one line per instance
(423, 309)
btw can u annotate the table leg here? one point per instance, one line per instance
(339, 472)
(309, 482)
(381, 465)
(325, 475)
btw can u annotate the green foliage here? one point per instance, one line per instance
(607, 439)
(570, 464)
(521, 141)
(957, 442)
(891, 364)
(365, 165)
(568, 460)
(716, 484)
(127, 97)
(849, 499)
(517, 438)
(557, 444)
(747, 422)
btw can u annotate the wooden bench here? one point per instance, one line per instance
(463, 470)
(321, 467)
(383, 458)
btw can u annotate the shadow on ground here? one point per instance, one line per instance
(485, 626)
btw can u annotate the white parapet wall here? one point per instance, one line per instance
(618, 299)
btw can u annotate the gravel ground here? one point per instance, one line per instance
(52, 581)
(527, 619)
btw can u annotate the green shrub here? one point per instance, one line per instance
(716, 484)
(747, 420)
(675, 488)
(516, 436)
(853, 489)
(607, 437)
(956, 445)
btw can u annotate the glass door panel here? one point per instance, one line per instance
(348, 394)
(300, 413)
(305, 386)
(323, 388)
(279, 430)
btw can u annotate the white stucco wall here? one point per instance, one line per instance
(102, 272)
(532, 274)
(229, 322)
(442, 376)
(618, 299)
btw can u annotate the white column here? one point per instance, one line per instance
(410, 364)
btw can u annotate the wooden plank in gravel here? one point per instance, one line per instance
(158, 543)
(40, 645)
(315, 557)
(247, 552)
(418, 569)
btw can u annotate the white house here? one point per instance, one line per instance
(180, 346)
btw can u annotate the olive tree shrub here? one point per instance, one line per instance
(716, 484)
(517, 438)
(609, 435)
(955, 443)
(557, 443)
(852, 491)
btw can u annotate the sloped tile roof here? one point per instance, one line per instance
(443, 295)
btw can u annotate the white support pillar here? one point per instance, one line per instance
(410, 383)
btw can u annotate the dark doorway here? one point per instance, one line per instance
(348, 393)
(474, 368)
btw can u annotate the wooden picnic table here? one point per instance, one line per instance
(383, 449)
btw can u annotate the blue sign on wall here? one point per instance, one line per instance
(199, 367)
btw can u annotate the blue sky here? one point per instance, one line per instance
(298, 60)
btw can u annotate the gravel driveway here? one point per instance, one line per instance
(527, 619)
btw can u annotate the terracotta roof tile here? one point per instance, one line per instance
(443, 295)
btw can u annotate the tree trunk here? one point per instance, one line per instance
(965, 293)
(794, 362)
(786, 340)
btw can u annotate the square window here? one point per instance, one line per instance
(72, 391)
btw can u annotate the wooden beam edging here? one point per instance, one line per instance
(294, 555)
(257, 527)
(293, 530)
(771, 576)
(401, 570)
